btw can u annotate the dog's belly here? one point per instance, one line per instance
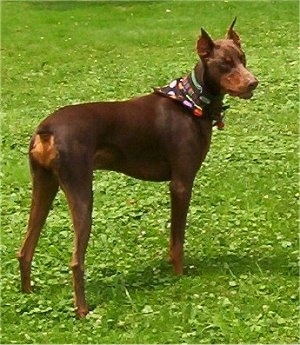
(147, 172)
(148, 168)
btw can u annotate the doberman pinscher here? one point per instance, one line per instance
(162, 136)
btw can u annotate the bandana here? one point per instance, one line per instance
(190, 94)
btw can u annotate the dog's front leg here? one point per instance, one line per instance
(180, 200)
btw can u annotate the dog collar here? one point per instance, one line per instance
(190, 93)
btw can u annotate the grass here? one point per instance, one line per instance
(241, 281)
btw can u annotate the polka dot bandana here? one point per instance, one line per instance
(180, 90)
(191, 95)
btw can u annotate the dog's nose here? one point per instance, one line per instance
(253, 84)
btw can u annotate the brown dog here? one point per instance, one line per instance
(163, 136)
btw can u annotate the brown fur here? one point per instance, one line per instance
(150, 137)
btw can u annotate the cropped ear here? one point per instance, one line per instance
(205, 45)
(232, 35)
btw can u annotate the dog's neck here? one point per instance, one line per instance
(199, 79)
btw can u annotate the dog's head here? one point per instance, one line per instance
(224, 65)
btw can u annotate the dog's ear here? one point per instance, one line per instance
(205, 45)
(232, 35)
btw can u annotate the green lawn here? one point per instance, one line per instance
(241, 281)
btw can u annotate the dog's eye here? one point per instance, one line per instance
(228, 60)
(226, 64)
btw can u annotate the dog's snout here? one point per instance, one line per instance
(253, 84)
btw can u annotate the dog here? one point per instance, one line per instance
(162, 136)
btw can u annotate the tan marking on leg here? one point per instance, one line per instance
(44, 150)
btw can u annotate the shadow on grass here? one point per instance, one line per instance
(158, 274)
(110, 285)
(240, 265)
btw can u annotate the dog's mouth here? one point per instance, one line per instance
(243, 95)
(245, 92)
(246, 95)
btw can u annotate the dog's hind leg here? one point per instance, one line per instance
(44, 189)
(76, 182)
